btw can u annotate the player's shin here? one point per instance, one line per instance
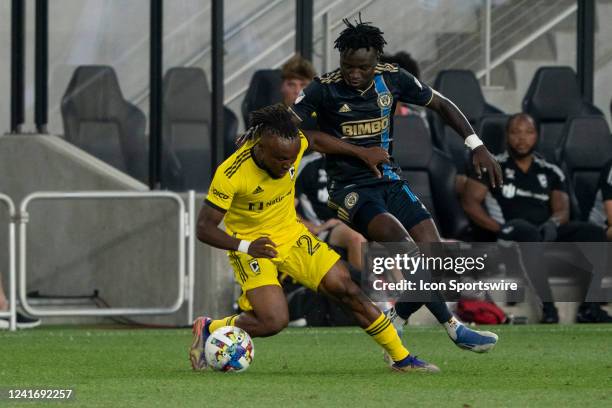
(383, 333)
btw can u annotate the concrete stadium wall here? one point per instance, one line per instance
(126, 249)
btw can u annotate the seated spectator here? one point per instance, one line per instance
(296, 74)
(311, 198)
(601, 214)
(531, 206)
(23, 322)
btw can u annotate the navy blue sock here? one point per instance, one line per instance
(406, 309)
(437, 307)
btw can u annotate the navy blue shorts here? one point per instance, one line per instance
(358, 205)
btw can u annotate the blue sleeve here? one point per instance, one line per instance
(412, 90)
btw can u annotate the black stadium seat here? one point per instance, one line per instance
(186, 123)
(553, 96)
(264, 90)
(461, 87)
(492, 131)
(431, 174)
(230, 130)
(406, 128)
(587, 147)
(100, 121)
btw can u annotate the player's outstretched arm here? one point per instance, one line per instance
(327, 144)
(208, 231)
(482, 159)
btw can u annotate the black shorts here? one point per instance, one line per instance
(358, 205)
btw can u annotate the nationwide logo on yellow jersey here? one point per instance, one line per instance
(365, 128)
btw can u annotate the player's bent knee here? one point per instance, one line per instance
(356, 239)
(274, 325)
(338, 282)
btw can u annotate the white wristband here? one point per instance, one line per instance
(473, 141)
(244, 246)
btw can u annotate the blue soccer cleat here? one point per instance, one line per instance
(473, 340)
(412, 363)
(200, 332)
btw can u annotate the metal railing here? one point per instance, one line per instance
(12, 274)
(185, 233)
(327, 28)
(505, 56)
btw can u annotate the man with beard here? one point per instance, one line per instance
(531, 206)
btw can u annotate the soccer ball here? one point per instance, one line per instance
(229, 349)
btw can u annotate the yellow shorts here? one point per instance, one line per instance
(306, 260)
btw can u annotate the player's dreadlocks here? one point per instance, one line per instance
(275, 119)
(360, 35)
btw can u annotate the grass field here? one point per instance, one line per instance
(532, 366)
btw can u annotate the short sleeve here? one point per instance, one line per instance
(606, 182)
(308, 101)
(221, 191)
(557, 179)
(412, 90)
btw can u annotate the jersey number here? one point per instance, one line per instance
(311, 249)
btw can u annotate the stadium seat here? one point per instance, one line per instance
(492, 131)
(552, 97)
(186, 123)
(431, 174)
(461, 87)
(264, 90)
(230, 131)
(587, 146)
(100, 121)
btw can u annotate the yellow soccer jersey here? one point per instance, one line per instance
(256, 205)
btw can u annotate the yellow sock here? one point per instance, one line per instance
(383, 332)
(226, 321)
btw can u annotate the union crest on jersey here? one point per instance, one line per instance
(384, 100)
(350, 200)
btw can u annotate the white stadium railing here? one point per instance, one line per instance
(185, 244)
(12, 274)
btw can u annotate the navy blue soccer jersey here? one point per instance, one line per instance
(360, 117)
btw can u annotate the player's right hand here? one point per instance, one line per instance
(373, 156)
(263, 248)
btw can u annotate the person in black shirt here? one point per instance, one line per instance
(601, 213)
(356, 103)
(531, 206)
(311, 195)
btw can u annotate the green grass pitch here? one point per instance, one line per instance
(532, 366)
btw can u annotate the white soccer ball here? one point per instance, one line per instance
(229, 349)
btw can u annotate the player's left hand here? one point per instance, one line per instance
(373, 156)
(484, 162)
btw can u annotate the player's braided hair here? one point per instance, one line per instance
(360, 35)
(274, 119)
